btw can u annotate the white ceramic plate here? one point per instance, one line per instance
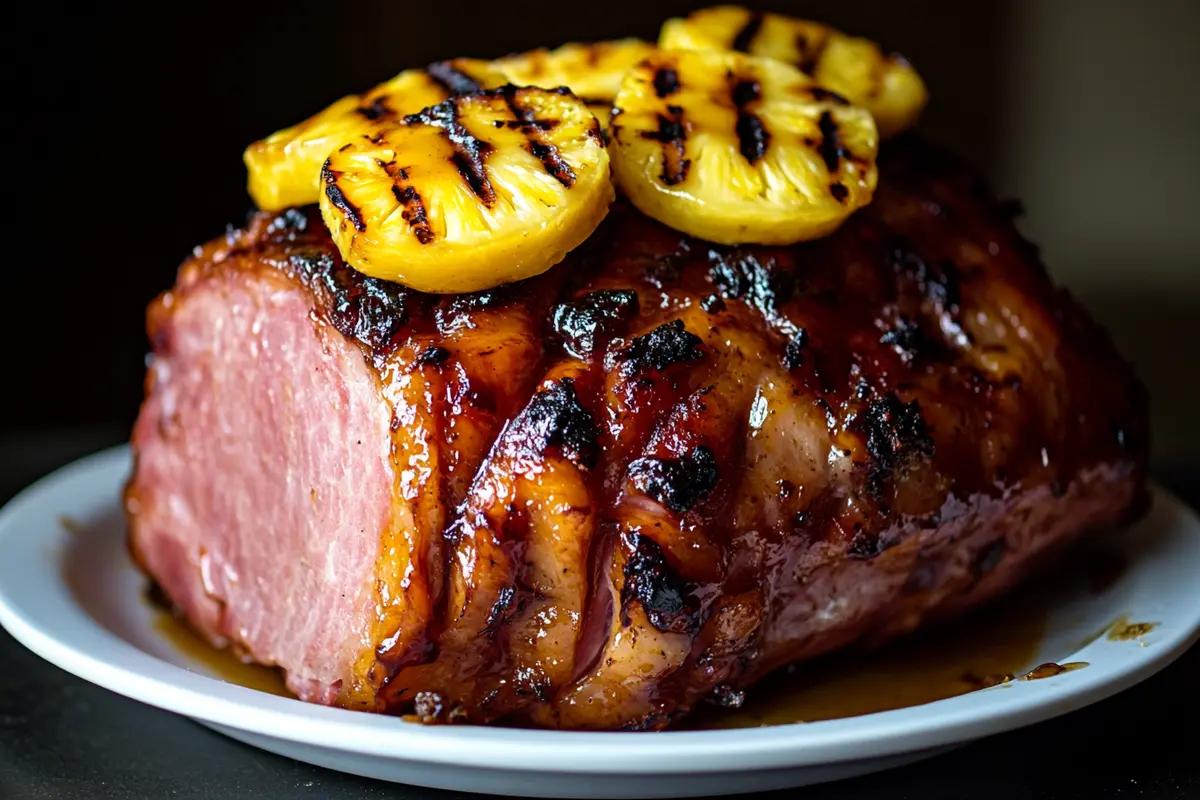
(98, 626)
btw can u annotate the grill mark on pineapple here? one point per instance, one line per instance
(744, 38)
(451, 79)
(470, 152)
(666, 82)
(339, 200)
(672, 135)
(839, 191)
(536, 142)
(753, 136)
(376, 109)
(831, 149)
(823, 95)
(810, 52)
(412, 207)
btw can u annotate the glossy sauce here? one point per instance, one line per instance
(218, 663)
(1125, 631)
(984, 649)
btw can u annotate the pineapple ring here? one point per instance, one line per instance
(737, 149)
(479, 190)
(593, 71)
(885, 84)
(285, 168)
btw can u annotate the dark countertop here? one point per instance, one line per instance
(61, 737)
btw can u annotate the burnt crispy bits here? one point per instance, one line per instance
(938, 281)
(292, 221)
(741, 275)
(905, 337)
(433, 356)
(793, 351)
(372, 311)
(586, 322)
(895, 433)
(665, 597)
(669, 343)
(678, 483)
(556, 418)
(454, 310)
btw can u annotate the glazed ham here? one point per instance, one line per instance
(638, 482)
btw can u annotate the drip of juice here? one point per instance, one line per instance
(218, 663)
(986, 648)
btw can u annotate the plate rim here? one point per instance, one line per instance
(107, 660)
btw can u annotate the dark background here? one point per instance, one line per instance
(130, 125)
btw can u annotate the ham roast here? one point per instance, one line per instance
(641, 481)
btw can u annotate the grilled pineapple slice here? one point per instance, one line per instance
(885, 84)
(479, 190)
(737, 149)
(592, 70)
(285, 168)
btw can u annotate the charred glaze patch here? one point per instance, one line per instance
(742, 275)
(556, 418)
(433, 356)
(988, 557)
(678, 483)
(456, 310)
(669, 343)
(291, 221)
(905, 337)
(793, 352)
(433, 709)
(743, 40)
(453, 81)
(830, 147)
(588, 321)
(335, 195)
(470, 152)
(895, 432)
(753, 136)
(864, 544)
(502, 611)
(713, 303)
(938, 282)
(666, 599)
(725, 696)
(666, 82)
(372, 311)
(672, 135)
